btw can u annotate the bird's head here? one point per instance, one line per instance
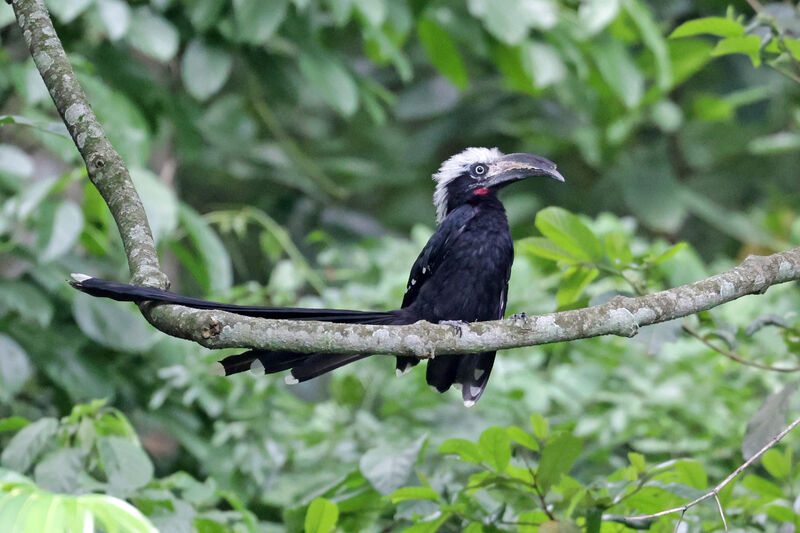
(483, 171)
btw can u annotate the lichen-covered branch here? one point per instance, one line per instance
(215, 329)
(104, 165)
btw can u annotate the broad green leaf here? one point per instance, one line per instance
(115, 514)
(153, 35)
(321, 516)
(618, 249)
(256, 20)
(692, 474)
(26, 445)
(114, 325)
(59, 470)
(414, 493)
(13, 423)
(719, 26)
(573, 283)
(160, 203)
(15, 368)
(558, 455)
(467, 450)
(568, 232)
(520, 436)
(546, 248)
(373, 11)
(666, 254)
(511, 20)
(749, 45)
(595, 15)
(14, 160)
(204, 13)
(331, 80)
(637, 461)
(543, 64)
(66, 228)
(126, 465)
(387, 469)
(793, 45)
(619, 71)
(116, 15)
(653, 39)
(442, 51)
(779, 465)
(66, 12)
(204, 69)
(494, 446)
(430, 526)
(541, 428)
(763, 487)
(216, 273)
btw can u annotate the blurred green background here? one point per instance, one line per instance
(283, 150)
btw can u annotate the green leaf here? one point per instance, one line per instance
(793, 45)
(569, 233)
(763, 487)
(59, 470)
(653, 39)
(430, 526)
(100, 320)
(572, 284)
(692, 474)
(637, 461)
(414, 493)
(321, 516)
(666, 254)
(257, 21)
(749, 45)
(719, 26)
(619, 71)
(520, 436)
(114, 514)
(540, 426)
(26, 300)
(331, 80)
(26, 445)
(595, 15)
(204, 69)
(494, 446)
(466, 450)
(388, 468)
(618, 249)
(66, 228)
(542, 63)
(546, 248)
(217, 271)
(511, 20)
(15, 367)
(66, 12)
(116, 16)
(160, 202)
(442, 51)
(13, 423)
(778, 465)
(153, 35)
(558, 456)
(126, 465)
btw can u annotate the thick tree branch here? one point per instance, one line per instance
(214, 329)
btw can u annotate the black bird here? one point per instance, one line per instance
(460, 276)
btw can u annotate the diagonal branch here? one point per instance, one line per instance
(215, 329)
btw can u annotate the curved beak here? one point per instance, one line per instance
(514, 167)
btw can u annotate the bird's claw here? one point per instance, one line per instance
(518, 317)
(455, 324)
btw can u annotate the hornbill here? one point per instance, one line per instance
(460, 276)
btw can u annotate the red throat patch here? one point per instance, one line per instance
(480, 192)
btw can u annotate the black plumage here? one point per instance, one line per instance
(460, 276)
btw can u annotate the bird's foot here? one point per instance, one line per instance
(518, 318)
(455, 324)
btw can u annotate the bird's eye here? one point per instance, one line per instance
(479, 170)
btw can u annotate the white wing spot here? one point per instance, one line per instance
(413, 282)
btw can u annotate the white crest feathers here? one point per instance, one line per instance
(455, 167)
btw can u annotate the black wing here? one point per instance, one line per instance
(434, 252)
(429, 259)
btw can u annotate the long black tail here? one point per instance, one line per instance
(130, 293)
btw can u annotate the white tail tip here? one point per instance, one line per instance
(257, 367)
(402, 371)
(80, 278)
(291, 380)
(217, 369)
(469, 403)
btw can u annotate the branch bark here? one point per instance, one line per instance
(215, 329)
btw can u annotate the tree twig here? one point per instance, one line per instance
(714, 493)
(620, 316)
(734, 356)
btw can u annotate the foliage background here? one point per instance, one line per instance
(283, 151)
